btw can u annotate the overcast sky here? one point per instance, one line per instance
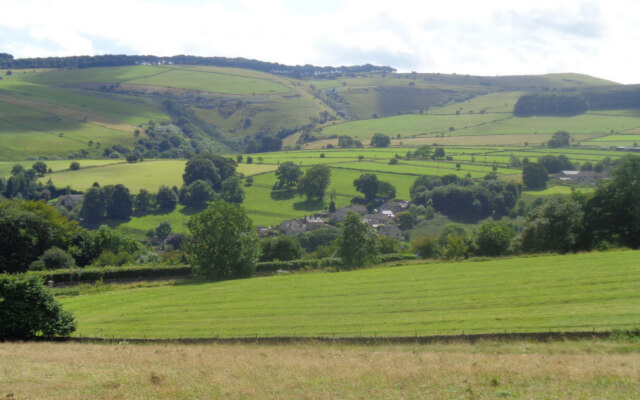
(484, 37)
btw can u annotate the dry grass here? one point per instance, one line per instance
(566, 370)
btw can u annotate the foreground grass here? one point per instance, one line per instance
(575, 292)
(486, 370)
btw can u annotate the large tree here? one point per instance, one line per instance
(357, 244)
(315, 182)
(367, 184)
(223, 243)
(119, 203)
(201, 168)
(288, 174)
(93, 205)
(534, 176)
(380, 140)
(560, 139)
(198, 193)
(166, 199)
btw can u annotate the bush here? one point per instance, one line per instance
(28, 309)
(105, 273)
(54, 258)
(74, 166)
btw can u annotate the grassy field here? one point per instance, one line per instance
(486, 370)
(575, 292)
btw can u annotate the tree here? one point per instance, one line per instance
(357, 244)
(201, 168)
(439, 153)
(119, 203)
(493, 239)
(426, 246)
(386, 190)
(534, 176)
(166, 199)
(345, 142)
(315, 182)
(406, 220)
(232, 190)
(54, 258)
(367, 184)
(560, 139)
(143, 201)
(288, 174)
(198, 194)
(555, 226)
(163, 230)
(74, 166)
(40, 168)
(93, 205)
(28, 229)
(613, 213)
(223, 243)
(380, 140)
(28, 309)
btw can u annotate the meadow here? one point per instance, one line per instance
(486, 370)
(599, 291)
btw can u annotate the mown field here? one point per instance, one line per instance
(485, 370)
(578, 292)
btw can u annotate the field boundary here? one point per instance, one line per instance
(367, 340)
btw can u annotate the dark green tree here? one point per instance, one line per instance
(143, 201)
(315, 182)
(93, 205)
(163, 230)
(555, 226)
(357, 244)
(380, 140)
(560, 139)
(223, 243)
(166, 199)
(40, 168)
(386, 190)
(119, 203)
(198, 193)
(232, 191)
(28, 309)
(345, 142)
(493, 239)
(367, 184)
(201, 168)
(288, 175)
(534, 176)
(282, 248)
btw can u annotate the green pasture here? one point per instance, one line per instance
(502, 102)
(211, 81)
(578, 292)
(65, 77)
(55, 165)
(132, 110)
(408, 125)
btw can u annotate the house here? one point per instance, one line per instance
(391, 231)
(306, 224)
(395, 207)
(341, 213)
(69, 201)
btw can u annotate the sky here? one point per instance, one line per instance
(488, 37)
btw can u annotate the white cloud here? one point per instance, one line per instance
(489, 37)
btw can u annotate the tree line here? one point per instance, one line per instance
(113, 60)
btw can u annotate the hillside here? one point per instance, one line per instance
(83, 111)
(574, 292)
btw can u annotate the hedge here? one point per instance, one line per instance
(125, 272)
(273, 266)
(383, 258)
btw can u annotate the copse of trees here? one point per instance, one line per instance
(461, 197)
(560, 139)
(263, 145)
(281, 248)
(111, 201)
(380, 140)
(288, 174)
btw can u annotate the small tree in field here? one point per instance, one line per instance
(224, 242)
(28, 309)
(357, 242)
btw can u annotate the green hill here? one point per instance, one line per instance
(530, 294)
(57, 112)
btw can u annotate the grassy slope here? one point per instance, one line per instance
(573, 292)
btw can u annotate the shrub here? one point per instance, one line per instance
(74, 166)
(28, 309)
(54, 258)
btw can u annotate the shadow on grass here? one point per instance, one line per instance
(282, 194)
(309, 205)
